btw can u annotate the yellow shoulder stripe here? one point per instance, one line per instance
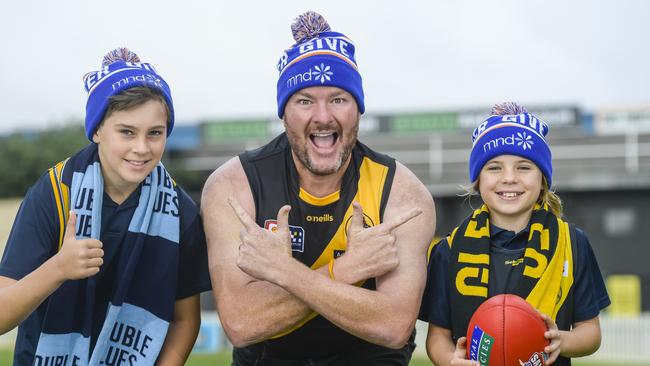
(61, 197)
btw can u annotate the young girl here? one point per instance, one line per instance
(106, 257)
(516, 243)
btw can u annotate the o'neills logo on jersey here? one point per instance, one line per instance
(321, 218)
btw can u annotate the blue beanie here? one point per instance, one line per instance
(320, 57)
(121, 70)
(522, 135)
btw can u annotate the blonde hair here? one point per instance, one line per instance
(546, 196)
(551, 199)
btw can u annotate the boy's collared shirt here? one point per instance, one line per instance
(34, 239)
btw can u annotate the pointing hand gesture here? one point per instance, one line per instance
(373, 250)
(78, 259)
(261, 251)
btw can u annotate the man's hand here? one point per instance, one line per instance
(371, 252)
(78, 259)
(261, 251)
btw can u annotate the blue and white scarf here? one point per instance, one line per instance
(143, 295)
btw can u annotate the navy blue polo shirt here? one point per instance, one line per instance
(588, 283)
(34, 239)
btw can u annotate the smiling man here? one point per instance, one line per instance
(317, 244)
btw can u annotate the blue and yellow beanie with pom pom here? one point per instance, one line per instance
(320, 57)
(121, 70)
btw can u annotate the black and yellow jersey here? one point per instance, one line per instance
(318, 228)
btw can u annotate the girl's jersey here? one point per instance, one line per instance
(588, 297)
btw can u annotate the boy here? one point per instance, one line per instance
(106, 258)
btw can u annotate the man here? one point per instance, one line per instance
(317, 244)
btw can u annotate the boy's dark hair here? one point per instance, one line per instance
(123, 73)
(132, 98)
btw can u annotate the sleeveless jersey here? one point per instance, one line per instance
(318, 229)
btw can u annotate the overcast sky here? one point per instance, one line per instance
(219, 56)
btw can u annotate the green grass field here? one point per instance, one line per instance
(8, 209)
(223, 359)
(210, 359)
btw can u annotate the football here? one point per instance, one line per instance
(506, 331)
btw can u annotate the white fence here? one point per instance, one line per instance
(625, 340)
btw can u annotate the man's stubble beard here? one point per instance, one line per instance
(303, 156)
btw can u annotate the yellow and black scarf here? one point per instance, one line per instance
(547, 277)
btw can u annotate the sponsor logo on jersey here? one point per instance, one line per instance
(514, 262)
(367, 222)
(297, 234)
(338, 253)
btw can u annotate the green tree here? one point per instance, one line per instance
(26, 156)
(192, 181)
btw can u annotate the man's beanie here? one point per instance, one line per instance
(121, 70)
(319, 57)
(510, 130)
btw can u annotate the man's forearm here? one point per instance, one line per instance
(262, 310)
(370, 315)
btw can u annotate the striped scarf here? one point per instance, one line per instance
(144, 281)
(548, 265)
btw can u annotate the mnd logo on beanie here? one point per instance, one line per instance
(320, 57)
(522, 135)
(121, 70)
